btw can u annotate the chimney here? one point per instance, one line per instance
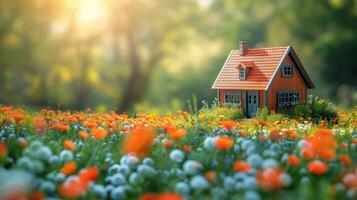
(243, 47)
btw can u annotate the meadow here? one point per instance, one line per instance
(208, 153)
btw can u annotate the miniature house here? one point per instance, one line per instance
(262, 77)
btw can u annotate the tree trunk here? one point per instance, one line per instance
(139, 79)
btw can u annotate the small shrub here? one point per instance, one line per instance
(316, 108)
(217, 113)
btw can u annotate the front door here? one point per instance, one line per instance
(252, 103)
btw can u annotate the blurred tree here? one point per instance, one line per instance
(154, 52)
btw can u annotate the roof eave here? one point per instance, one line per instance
(213, 86)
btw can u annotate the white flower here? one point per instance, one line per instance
(130, 160)
(192, 167)
(135, 179)
(269, 163)
(15, 179)
(250, 183)
(209, 143)
(198, 182)
(35, 145)
(37, 166)
(25, 163)
(113, 169)
(148, 161)
(66, 155)
(177, 156)
(218, 193)
(228, 183)
(118, 193)
(117, 179)
(246, 144)
(254, 160)
(251, 195)
(54, 160)
(43, 153)
(146, 170)
(59, 177)
(47, 187)
(124, 169)
(178, 173)
(100, 191)
(182, 188)
(286, 179)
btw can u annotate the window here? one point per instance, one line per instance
(287, 70)
(241, 73)
(232, 98)
(287, 98)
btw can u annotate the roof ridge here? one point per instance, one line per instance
(275, 47)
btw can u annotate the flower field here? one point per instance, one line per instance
(63, 155)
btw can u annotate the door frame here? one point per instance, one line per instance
(256, 92)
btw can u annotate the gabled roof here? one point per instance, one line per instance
(267, 62)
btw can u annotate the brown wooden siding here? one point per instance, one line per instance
(296, 83)
(243, 98)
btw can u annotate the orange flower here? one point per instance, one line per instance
(261, 123)
(39, 124)
(18, 116)
(186, 148)
(307, 153)
(323, 144)
(169, 196)
(23, 143)
(275, 135)
(229, 125)
(68, 144)
(290, 134)
(148, 196)
(89, 174)
(167, 143)
(210, 175)
(270, 179)
(162, 196)
(317, 167)
(90, 124)
(350, 181)
(241, 166)
(293, 160)
(224, 143)
(6, 108)
(345, 159)
(83, 134)
(138, 141)
(99, 133)
(36, 196)
(177, 134)
(69, 168)
(73, 188)
(3, 150)
(60, 127)
(344, 146)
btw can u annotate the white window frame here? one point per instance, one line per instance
(241, 73)
(232, 98)
(285, 69)
(286, 98)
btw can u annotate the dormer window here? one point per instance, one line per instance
(287, 70)
(241, 73)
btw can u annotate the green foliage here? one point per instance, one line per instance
(218, 113)
(316, 108)
(170, 49)
(263, 114)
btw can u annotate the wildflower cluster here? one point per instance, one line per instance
(64, 155)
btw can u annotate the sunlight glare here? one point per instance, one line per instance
(91, 12)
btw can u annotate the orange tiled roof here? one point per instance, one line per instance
(266, 61)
